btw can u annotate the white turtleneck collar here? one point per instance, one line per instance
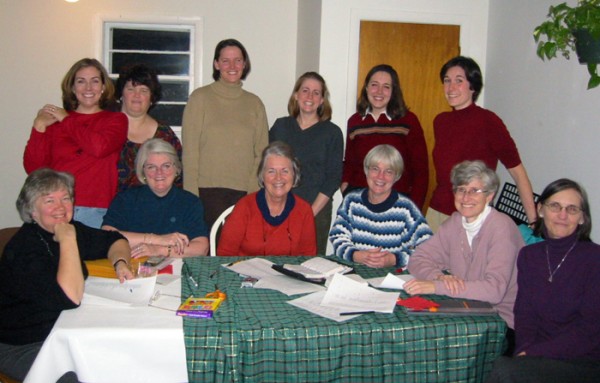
(472, 228)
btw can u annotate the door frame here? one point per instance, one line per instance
(340, 37)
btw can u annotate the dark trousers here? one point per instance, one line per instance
(216, 200)
(510, 340)
(531, 369)
(323, 225)
(16, 360)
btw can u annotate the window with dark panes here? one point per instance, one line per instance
(166, 48)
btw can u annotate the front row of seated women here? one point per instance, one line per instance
(554, 312)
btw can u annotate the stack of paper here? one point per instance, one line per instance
(345, 299)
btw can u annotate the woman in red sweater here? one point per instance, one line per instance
(382, 117)
(81, 138)
(271, 221)
(468, 133)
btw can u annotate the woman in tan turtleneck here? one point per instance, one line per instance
(224, 132)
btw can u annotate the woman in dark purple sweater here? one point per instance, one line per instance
(557, 311)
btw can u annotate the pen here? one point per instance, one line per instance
(234, 262)
(193, 281)
(356, 313)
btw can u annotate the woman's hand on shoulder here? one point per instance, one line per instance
(44, 118)
(47, 116)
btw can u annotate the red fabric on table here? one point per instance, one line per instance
(417, 303)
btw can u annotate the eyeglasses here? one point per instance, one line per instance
(555, 207)
(462, 191)
(167, 167)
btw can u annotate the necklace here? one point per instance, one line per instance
(45, 243)
(559, 264)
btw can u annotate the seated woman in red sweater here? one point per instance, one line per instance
(272, 221)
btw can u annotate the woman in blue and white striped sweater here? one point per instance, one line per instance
(378, 226)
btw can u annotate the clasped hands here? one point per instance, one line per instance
(172, 244)
(453, 283)
(375, 258)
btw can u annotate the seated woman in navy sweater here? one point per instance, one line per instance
(158, 218)
(557, 308)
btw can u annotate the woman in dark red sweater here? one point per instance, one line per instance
(468, 133)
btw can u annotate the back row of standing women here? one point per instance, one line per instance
(225, 130)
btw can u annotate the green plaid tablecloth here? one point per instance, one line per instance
(256, 336)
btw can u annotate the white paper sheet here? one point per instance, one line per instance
(352, 296)
(254, 267)
(135, 291)
(287, 285)
(312, 303)
(354, 277)
(390, 281)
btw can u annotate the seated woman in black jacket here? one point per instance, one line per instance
(42, 270)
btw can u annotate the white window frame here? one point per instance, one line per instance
(193, 24)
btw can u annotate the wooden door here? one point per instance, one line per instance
(417, 52)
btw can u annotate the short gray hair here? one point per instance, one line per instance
(281, 149)
(388, 155)
(39, 183)
(467, 171)
(155, 146)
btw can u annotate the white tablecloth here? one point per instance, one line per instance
(114, 343)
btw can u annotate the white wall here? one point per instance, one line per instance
(309, 36)
(40, 40)
(545, 105)
(550, 114)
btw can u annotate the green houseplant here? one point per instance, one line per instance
(566, 30)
